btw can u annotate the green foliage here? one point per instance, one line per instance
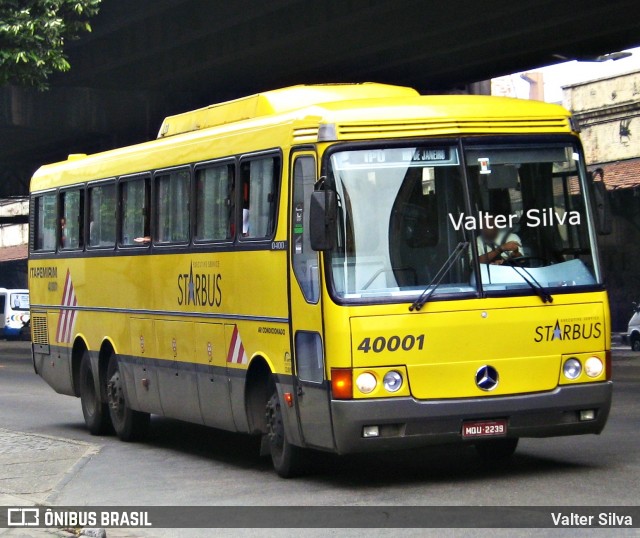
(33, 34)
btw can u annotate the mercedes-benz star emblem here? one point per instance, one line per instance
(487, 377)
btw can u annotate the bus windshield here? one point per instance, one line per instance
(522, 208)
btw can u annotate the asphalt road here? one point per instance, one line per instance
(183, 464)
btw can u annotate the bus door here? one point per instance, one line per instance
(311, 385)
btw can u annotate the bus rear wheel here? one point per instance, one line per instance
(95, 412)
(497, 449)
(129, 425)
(287, 458)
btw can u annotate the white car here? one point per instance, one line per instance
(633, 332)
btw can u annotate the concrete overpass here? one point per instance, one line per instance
(150, 58)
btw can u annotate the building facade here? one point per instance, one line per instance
(14, 236)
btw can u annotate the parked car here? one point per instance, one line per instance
(633, 331)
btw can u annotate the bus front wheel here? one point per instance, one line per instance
(96, 413)
(497, 449)
(287, 458)
(129, 425)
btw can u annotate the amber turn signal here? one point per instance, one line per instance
(342, 383)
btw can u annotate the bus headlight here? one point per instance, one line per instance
(572, 368)
(366, 382)
(593, 366)
(392, 381)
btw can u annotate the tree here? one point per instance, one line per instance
(33, 34)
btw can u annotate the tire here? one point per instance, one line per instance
(96, 413)
(128, 424)
(635, 343)
(288, 460)
(497, 449)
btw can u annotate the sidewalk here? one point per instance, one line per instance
(34, 467)
(33, 470)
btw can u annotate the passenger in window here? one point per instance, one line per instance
(146, 237)
(496, 245)
(63, 232)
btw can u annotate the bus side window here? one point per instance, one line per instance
(305, 260)
(102, 215)
(72, 219)
(214, 203)
(259, 197)
(172, 207)
(134, 204)
(45, 221)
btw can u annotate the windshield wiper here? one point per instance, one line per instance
(535, 285)
(435, 282)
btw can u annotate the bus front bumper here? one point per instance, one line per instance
(407, 422)
(12, 331)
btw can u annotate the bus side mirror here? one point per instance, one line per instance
(602, 206)
(322, 219)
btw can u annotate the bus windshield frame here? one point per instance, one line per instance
(522, 203)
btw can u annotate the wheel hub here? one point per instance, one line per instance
(115, 393)
(275, 427)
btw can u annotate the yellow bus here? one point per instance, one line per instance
(344, 268)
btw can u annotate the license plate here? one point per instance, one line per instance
(484, 428)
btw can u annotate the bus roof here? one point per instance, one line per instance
(277, 102)
(310, 114)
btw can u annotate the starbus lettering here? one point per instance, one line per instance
(199, 289)
(568, 331)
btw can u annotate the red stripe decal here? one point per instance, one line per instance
(232, 346)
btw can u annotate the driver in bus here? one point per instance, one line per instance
(495, 245)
